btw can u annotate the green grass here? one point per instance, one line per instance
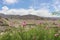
(36, 33)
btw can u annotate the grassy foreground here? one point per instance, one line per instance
(36, 33)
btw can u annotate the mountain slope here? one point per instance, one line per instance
(29, 16)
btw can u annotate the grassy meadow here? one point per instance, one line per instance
(40, 30)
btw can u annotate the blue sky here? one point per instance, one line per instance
(27, 3)
(49, 6)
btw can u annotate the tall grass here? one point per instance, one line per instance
(36, 33)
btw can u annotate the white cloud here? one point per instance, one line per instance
(17, 12)
(40, 12)
(56, 5)
(10, 1)
(43, 12)
(5, 8)
(44, 5)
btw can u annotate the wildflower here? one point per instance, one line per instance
(56, 35)
(2, 33)
(58, 25)
(41, 22)
(24, 24)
